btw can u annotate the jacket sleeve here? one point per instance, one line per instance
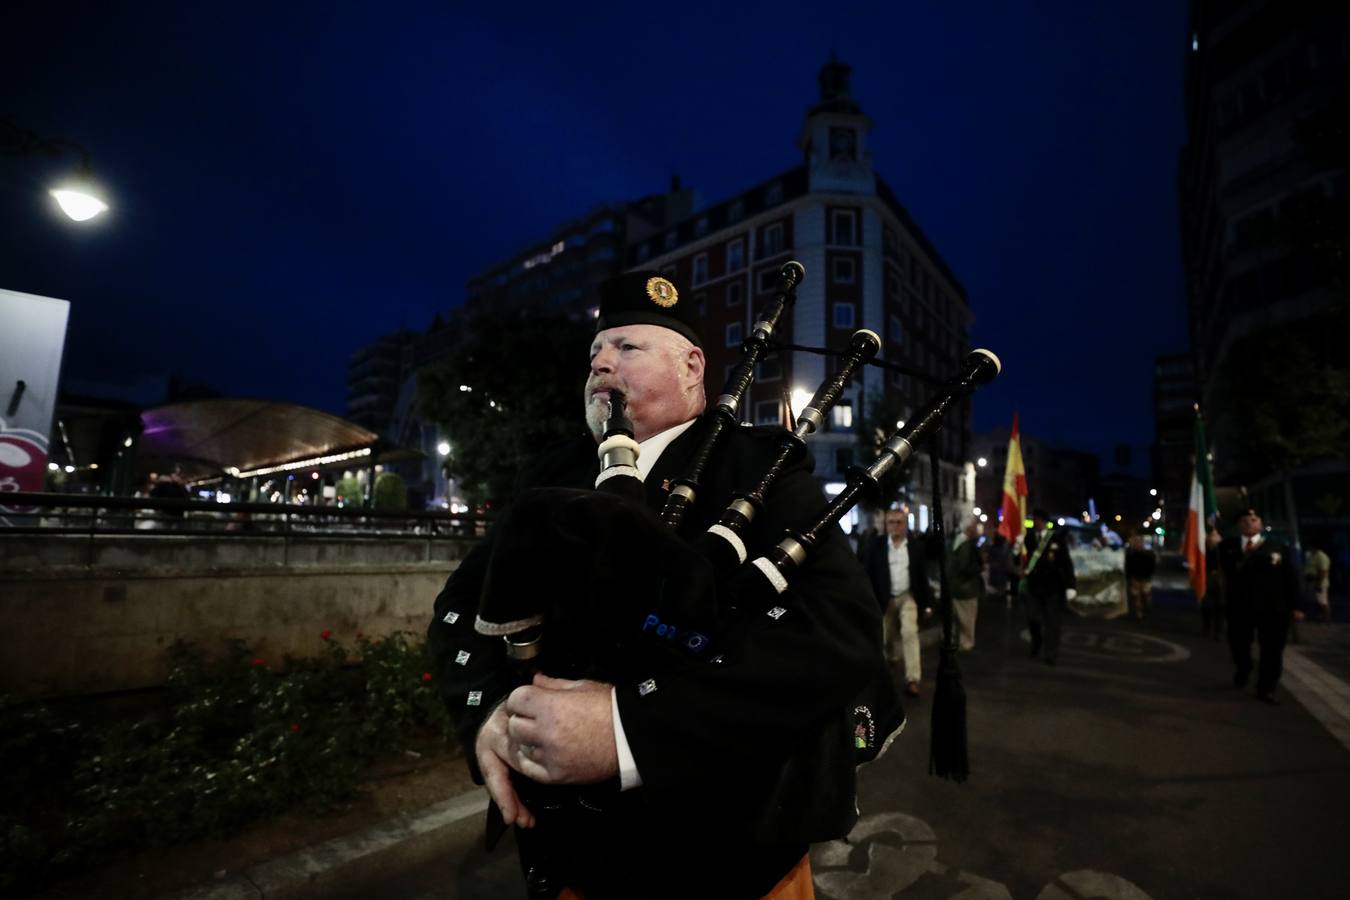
(470, 669)
(919, 585)
(797, 663)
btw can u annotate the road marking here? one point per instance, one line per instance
(1321, 693)
(1119, 645)
(902, 849)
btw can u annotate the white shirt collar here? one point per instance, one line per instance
(653, 446)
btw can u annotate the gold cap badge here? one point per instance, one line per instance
(662, 292)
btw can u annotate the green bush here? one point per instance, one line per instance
(234, 741)
(349, 492)
(390, 492)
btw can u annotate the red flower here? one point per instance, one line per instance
(325, 634)
(426, 676)
(294, 727)
(259, 661)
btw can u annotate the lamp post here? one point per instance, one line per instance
(77, 195)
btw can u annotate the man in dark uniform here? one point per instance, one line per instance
(1261, 589)
(716, 779)
(1049, 584)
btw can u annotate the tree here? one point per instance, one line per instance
(512, 387)
(1286, 391)
(391, 492)
(881, 412)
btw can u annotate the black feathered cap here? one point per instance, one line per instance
(648, 298)
(1245, 511)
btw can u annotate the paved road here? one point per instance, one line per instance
(1131, 770)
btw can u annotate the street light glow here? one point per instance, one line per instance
(443, 448)
(1153, 492)
(79, 204)
(981, 462)
(800, 398)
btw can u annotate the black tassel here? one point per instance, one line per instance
(947, 754)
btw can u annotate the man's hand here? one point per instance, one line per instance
(495, 752)
(561, 732)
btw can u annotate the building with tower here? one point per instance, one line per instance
(868, 264)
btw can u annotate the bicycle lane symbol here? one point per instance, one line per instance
(896, 850)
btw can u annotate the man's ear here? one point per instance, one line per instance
(695, 364)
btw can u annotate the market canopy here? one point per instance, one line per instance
(203, 438)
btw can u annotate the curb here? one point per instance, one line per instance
(404, 841)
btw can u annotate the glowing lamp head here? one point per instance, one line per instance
(79, 201)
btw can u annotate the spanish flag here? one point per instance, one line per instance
(1014, 489)
(1200, 512)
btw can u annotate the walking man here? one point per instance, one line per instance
(1261, 588)
(899, 577)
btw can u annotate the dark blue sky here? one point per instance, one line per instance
(292, 180)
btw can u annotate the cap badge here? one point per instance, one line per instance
(662, 292)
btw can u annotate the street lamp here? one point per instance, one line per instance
(79, 198)
(981, 462)
(443, 448)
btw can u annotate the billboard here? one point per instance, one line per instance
(32, 339)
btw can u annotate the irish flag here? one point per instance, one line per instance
(1014, 489)
(1200, 512)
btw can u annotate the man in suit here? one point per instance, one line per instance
(1261, 590)
(1049, 584)
(716, 778)
(896, 567)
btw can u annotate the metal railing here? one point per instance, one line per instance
(93, 515)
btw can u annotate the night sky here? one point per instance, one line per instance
(290, 181)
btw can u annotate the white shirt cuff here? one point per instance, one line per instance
(628, 773)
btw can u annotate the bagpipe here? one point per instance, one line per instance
(595, 584)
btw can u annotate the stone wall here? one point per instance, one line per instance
(74, 628)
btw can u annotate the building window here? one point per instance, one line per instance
(773, 194)
(844, 270)
(700, 269)
(736, 255)
(768, 280)
(843, 315)
(843, 458)
(701, 226)
(767, 412)
(842, 414)
(843, 144)
(892, 284)
(843, 228)
(701, 304)
(734, 334)
(772, 241)
(770, 368)
(895, 331)
(735, 293)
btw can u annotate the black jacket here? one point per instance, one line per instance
(1264, 582)
(1053, 574)
(743, 763)
(879, 570)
